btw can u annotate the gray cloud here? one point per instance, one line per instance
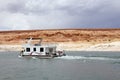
(47, 14)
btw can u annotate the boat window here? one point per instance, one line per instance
(27, 49)
(34, 49)
(41, 49)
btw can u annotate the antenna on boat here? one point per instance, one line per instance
(29, 41)
(40, 41)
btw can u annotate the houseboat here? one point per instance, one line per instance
(38, 50)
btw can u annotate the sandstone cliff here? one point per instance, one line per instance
(66, 39)
(64, 35)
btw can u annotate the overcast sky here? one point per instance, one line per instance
(54, 14)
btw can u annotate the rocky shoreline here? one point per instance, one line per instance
(66, 39)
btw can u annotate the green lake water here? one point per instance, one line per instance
(77, 65)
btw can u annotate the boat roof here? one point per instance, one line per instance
(29, 43)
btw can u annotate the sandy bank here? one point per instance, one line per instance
(73, 46)
(10, 47)
(113, 46)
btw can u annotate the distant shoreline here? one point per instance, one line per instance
(72, 46)
(67, 39)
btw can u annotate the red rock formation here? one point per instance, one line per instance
(63, 35)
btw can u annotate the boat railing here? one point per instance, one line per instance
(43, 44)
(49, 44)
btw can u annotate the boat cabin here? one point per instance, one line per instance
(39, 50)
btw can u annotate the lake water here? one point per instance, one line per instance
(74, 66)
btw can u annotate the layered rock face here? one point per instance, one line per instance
(64, 35)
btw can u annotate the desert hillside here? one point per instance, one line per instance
(68, 35)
